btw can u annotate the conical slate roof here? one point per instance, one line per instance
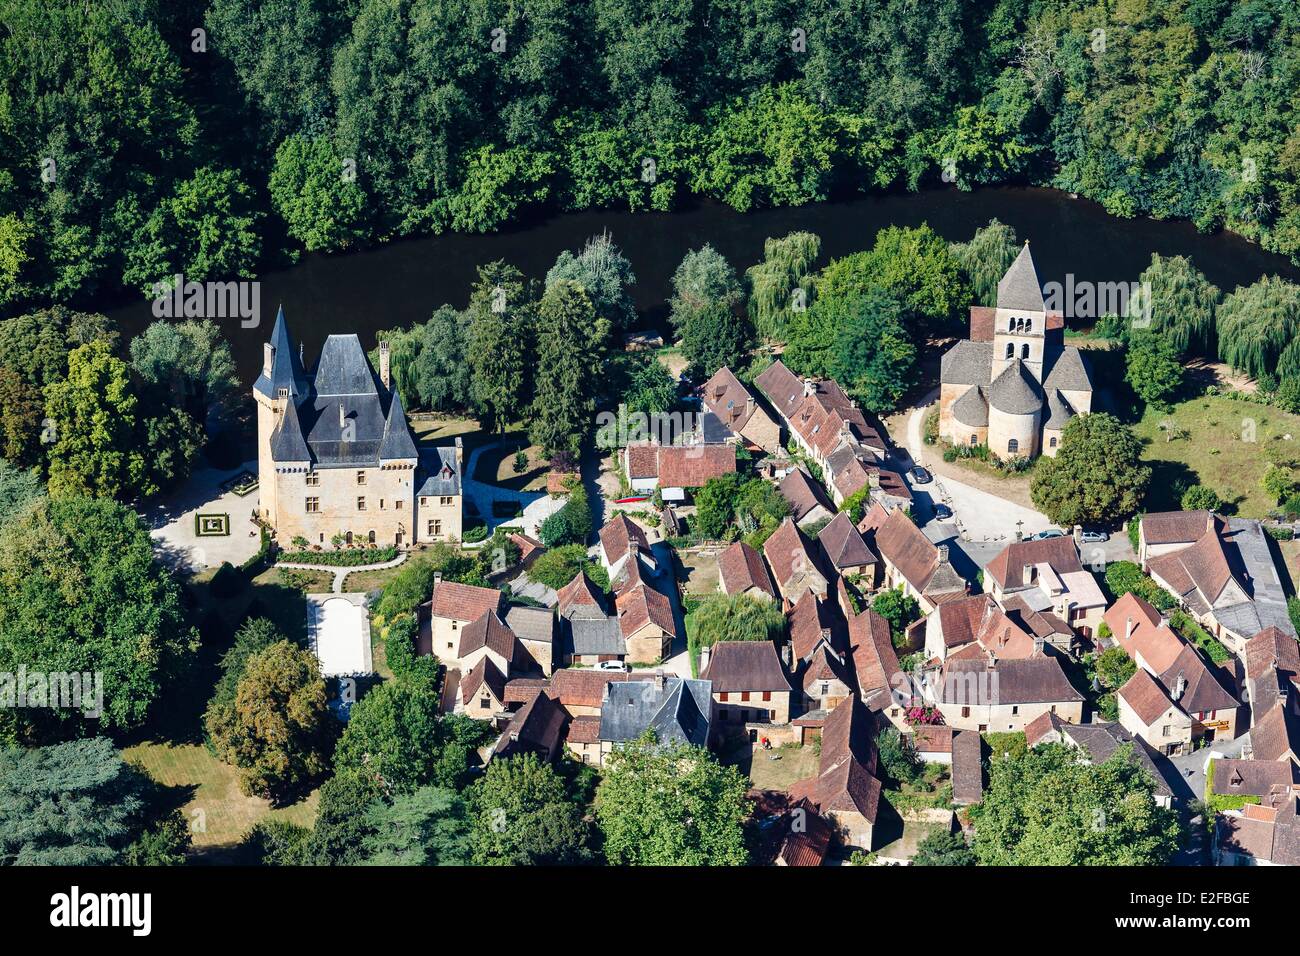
(1059, 410)
(286, 367)
(1019, 288)
(972, 408)
(397, 441)
(287, 443)
(1015, 391)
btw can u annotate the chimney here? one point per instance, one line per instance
(809, 387)
(873, 479)
(343, 416)
(268, 358)
(1128, 628)
(659, 681)
(1180, 686)
(437, 578)
(1027, 574)
(385, 365)
(705, 653)
(943, 553)
(749, 405)
(787, 652)
(1038, 646)
(460, 452)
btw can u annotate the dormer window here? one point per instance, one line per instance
(283, 392)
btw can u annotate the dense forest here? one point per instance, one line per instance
(141, 138)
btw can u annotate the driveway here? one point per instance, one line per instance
(537, 505)
(172, 522)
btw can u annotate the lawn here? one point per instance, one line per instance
(795, 763)
(1215, 441)
(309, 582)
(496, 466)
(208, 792)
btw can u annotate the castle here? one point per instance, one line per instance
(335, 454)
(1014, 384)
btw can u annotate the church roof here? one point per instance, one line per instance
(972, 408)
(1019, 288)
(1015, 391)
(1059, 410)
(1069, 372)
(967, 363)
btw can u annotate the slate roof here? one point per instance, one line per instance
(1015, 391)
(1069, 372)
(1018, 288)
(678, 711)
(397, 442)
(972, 408)
(740, 568)
(286, 366)
(287, 443)
(535, 624)
(1030, 680)
(967, 363)
(594, 636)
(843, 544)
(745, 666)
(1059, 411)
(441, 473)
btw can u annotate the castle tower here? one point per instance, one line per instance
(281, 382)
(1020, 320)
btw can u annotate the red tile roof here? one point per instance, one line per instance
(621, 534)
(803, 493)
(488, 631)
(737, 666)
(872, 649)
(789, 552)
(641, 605)
(691, 466)
(1007, 566)
(454, 601)
(1146, 697)
(1175, 527)
(740, 568)
(579, 592)
(727, 397)
(582, 687)
(484, 672)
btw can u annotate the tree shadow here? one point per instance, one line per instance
(1169, 479)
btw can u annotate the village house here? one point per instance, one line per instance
(589, 635)
(846, 790)
(335, 452)
(535, 629)
(1197, 688)
(741, 571)
(845, 550)
(1220, 570)
(451, 609)
(726, 397)
(875, 666)
(538, 727)
(750, 688)
(622, 539)
(974, 628)
(581, 694)
(808, 502)
(996, 696)
(795, 565)
(1146, 711)
(1252, 778)
(676, 709)
(818, 415)
(1263, 834)
(1272, 661)
(911, 562)
(1047, 576)
(645, 616)
(1276, 734)
(676, 470)
(1014, 384)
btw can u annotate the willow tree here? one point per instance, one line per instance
(781, 284)
(986, 258)
(1179, 305)
(1258, 326)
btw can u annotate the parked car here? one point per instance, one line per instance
(1049, 533)
(612, 666)
(942, 512)
(920, 476)
(1095, 537)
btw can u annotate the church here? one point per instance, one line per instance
(1014, 384)
(336, 456)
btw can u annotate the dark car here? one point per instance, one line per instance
(920, 476)
(942, 512)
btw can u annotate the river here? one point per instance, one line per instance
(402, 283)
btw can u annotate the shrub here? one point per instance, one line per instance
(352, 558)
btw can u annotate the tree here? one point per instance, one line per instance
(15, 239)
(1114, 667)
(737, 617)
(1123, 577)
(429, 827)
(604, 274)
(19, 488)
(80, 593)
(671, 805)
(72, 804)
(190, 363)
(570, 355)
(523, 816)
(942, 847)
(986, 258)
(498, 344)
(278, 730)
(253, 636)
(1258, 328)
(781, 284)
(556, 567)
(1200, 498)
(715, 336)
(898, 757)
(899, 610)
(1153, 367)
(715, 505)
(1180, 305)
(311, 189)
(571, 524)
(1047, 807)
(873, 357)
(20, 428)
(394, 736)
(703, 278)
(648, 387)
(1096, 476)
(441, 373)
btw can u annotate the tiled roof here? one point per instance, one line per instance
(580, 598)
(1018, 288)
(1101, 740)
(727, 397)
(1030, 680)
(967, 768)
(745, 666)
(484, 672)
(740, 568)
(1146, 697)
(807, 847)
(872, 649)
(454, 601)
(781, 386)
(788, 552)
(1008, 565)
(531, 623)
(1276, 733)
(810, 621)
(1204, 683)
(643, 605)
(843, 544)
(537, 727)
(803, 493)
(597, 635)
(488, 630)
(1015, 391)
(902, 544)
(581, 686)
(643, 461)
(1175, 527)
(691, 466)
(619, 535)
(1254, 778)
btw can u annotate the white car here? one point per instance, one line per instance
(612, 666)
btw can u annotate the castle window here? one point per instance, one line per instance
(1013, 446)
(361, 504)
(284, 392)
(361, 477)
(313, 506)
(435, 527)
(1029, 325)
(445, 501)
(1011, 349)
(1051, 442)
(381, 504)
(424, 502)
(398, 504)
(313, 479)
(974, 440)
(1024, 350)
(372, 537)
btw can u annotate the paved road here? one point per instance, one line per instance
(341, 573)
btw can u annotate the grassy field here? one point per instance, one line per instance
(309, 582)
(208, 792)
(372, 580)
(796, 763)
(1215, 441)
